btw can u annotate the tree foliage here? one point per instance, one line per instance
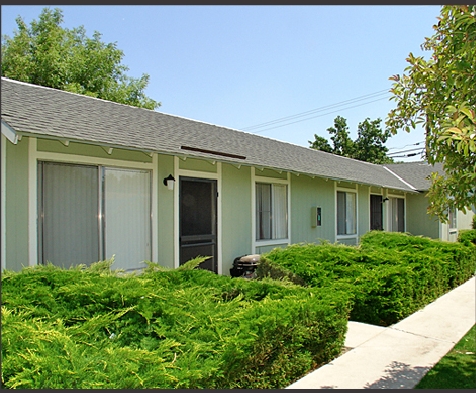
(369, 145)
(439, 93)
(47, 54)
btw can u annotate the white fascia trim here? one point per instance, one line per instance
(9, 133)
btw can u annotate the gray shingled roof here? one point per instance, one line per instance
(50, 113)
(416, 173)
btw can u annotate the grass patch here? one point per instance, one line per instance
(455, 370)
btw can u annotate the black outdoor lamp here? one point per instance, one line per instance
(169, 182)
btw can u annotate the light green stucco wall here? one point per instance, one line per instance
(16, 201)
(418, 222)
(236, 214)
(84, 149)
(307, 192)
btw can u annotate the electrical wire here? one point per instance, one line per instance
(307, 113)
(404, 151)
(313, 117)
(411, 144)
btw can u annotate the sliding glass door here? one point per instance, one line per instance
(89, 213)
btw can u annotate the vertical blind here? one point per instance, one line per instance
(70, 229)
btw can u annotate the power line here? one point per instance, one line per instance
(409, 155)
(405, 151)
(402, 147)
(313, 117)
(346, 102)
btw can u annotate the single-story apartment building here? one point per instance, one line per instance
(83, 179)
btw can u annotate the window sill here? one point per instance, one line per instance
(346, 236)
(274, 242)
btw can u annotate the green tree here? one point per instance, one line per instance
(47, 54)
(320, 143)
(369, 145)
(439, 93)
(343, 144)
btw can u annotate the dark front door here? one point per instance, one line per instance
(376, 216)
(198, 221)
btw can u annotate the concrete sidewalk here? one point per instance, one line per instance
(398, 356)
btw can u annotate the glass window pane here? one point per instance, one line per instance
(263, 211)
(351, 214)
(397, 215)
(401, 215)
(341, 205)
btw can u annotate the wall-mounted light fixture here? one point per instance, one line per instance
(169, 182)
(385, 199)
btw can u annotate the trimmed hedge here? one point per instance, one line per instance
(91, 328)
(467, 236)
(389, 276)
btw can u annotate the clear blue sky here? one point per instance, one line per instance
(245, 66)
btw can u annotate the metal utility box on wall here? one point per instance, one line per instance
(315, 216)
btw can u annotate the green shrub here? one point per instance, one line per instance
(86, 328)
(467, 236)
(388, 277)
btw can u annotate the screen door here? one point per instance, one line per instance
(198, 221)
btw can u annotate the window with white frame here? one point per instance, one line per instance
(346, 213)
(271, 211)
